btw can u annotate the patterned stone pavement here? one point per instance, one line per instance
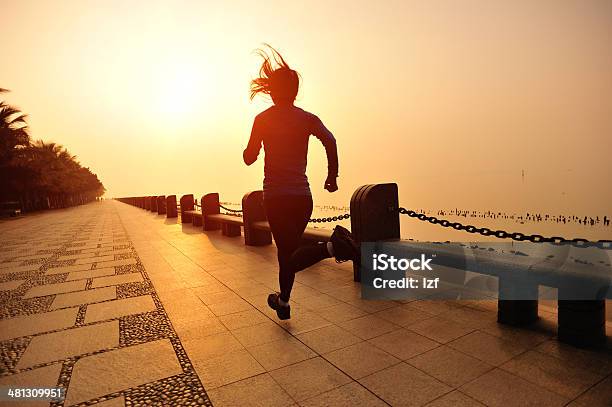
(124, 307)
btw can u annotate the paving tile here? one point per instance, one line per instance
(340, 313)
(403, 315)
(118, 308)
(372, 305)
(11, 285)
(585, 358)
(435, 307)
(349, 395)
(97, 259)
(488, 348)
(84, 297)
(301, 321)
(260, 390)
(554, 374)
(108, 372)
(72, 342)
(360, 359)
(76, 256)
(116, 263)
(318, 301)
(404, 385)
(212, 346)
(37, 323)
(284, 352)
(454, 399)
(328, 339)
(228, 368)
(260, 334)
(191, 329)
(368, 327)
(500, 388)
(309, 378)
(440, 329)
(20, 269)
(116, 280)
(526, 337)
(210, 298)
(57, 288)
(68, 269)
(80, 275)
(229, 307)
(596, 396)
(242, 319)
(472, 317)
(46, 376)
(403, 344)
(450, 366)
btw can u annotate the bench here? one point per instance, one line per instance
(310, 234)
(581, 320)
(230, 225)
(194, 216)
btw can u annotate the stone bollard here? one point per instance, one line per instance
(210, 206)
(517, 312)
(582, 321)
(186, 205)
(171, 206)
(161, 205)
(153, 204)
(253, 211)
(374, 215)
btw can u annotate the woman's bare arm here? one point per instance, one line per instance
(252, 150)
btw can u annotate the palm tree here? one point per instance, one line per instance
(13, 130)
(41, 174)
(13, 136)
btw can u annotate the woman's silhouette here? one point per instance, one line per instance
(284, 130)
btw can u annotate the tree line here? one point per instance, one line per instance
(39, 174)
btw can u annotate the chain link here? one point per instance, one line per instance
(230, 209)
(502, 234)
(330, 219)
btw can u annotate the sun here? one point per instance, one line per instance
(180, 91)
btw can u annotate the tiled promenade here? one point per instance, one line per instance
(123, 307)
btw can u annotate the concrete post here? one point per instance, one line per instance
(210, 206)
(153, 204)
(171, 206)
(253, 211)
(161, 205)
(186, 205)
(517, 312)
(374, 215)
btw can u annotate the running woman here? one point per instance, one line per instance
(284, 130)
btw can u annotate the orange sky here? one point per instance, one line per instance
(450, 99)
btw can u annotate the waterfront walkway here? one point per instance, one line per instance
(126, 307)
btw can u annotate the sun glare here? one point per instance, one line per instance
(181, 91)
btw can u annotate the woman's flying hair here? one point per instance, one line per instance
(275, 77)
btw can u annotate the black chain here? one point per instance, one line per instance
(230, 209)
(330, 219)
(237, 214)
(556, 240)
